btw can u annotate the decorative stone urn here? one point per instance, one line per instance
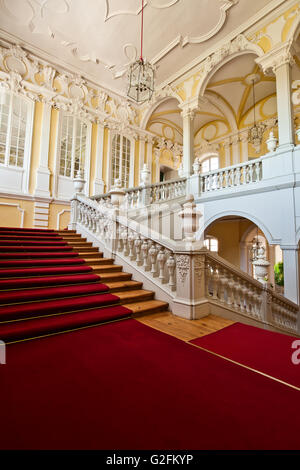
(271, 142)
(261, 266)
(190, 219)
(117, 194)
(196, 167)
(145, 175)
(79, 181)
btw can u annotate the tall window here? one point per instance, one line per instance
(73, 145)
(211, 243)
(210, 164)
(120, 160)
(14, 120)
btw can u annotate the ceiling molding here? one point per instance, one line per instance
(263, 15)
(204, 37)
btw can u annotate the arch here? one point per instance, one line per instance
(158, 101)
(227, 111)
(239, 46)
(207, 154)
(245, 215)
(294, 31)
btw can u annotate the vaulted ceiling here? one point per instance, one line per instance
(99, 38)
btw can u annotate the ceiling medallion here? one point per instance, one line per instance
(140, 75)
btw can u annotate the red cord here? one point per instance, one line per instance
(142, 30)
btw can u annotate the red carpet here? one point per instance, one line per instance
(50, 292)
(262, 350)
(41, 254)
(19, 283)
(48, 280)
(34, 327)
(26, 263)
(42, 271)
(126, 386)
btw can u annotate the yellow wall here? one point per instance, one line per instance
(229, 235)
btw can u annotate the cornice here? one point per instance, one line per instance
(60, 65)
(263, 15)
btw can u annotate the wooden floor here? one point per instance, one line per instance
(184, 329)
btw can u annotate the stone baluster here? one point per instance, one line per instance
(230, 284)
(131, 245)
(153, 257)
(161, 259)
(222, 284)
(238, 176)
(145, 248)
(137, 244)
(209, 274)
(125, 241)
(171, 265)
(226, 178)
(215, 282)
(257, 171)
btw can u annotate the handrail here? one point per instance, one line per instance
(188, 275)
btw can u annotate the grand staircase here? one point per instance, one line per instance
(55, 281)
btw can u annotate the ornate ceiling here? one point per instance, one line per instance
(99, 38)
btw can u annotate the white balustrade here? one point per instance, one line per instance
(183, 273)
(237, 175)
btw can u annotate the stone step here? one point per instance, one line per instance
(117, 286)
(134, 295)
(147, 307)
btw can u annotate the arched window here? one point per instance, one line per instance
(211, 243)
(121, 152)
(210, 164)
(73, 146)
(14, 119)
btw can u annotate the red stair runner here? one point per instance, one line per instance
(48, 280)
(41, 254)
(69, 321)
(23, 275)
(51, 292)
(57, 262)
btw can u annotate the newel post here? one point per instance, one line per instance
(190, 300)
(74, 213)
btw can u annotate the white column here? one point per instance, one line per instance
(188, 141)
(279, 61)
(141, 155)
(284, 105)
(149, 155)
(244, 140)
(98, 187)
(291, 272)
(108, 182)
(42, 187)
(157, 155)
(235, 142)
(227, 152)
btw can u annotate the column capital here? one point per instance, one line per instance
(276, 57)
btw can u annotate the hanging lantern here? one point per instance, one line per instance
(141, 75)
(141, 81)
(256, 132)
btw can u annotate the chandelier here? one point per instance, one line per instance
(256, 131)
(141, 74)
